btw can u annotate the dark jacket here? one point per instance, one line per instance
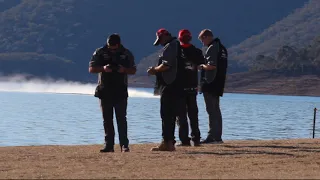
(112, 85)
(214, 81)
(192, 57)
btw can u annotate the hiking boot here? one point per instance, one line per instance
(107, 149)
(184, 144)
(165, 146)
(125, 149)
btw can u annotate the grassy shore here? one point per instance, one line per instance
(281, 159)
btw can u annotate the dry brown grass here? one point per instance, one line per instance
(233, 159)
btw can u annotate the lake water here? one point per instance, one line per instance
(49, 118)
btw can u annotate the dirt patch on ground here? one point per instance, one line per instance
(234, 159)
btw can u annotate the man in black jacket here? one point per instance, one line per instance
(113, 62)
(169, 74)
(192, 57)
(213, 77)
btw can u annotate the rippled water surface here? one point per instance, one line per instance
(45, 118)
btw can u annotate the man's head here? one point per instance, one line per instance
(114, 41)
(163, 36)
(184, 36)
(206, 37)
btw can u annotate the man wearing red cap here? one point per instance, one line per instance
(169, 74)
(192, 57)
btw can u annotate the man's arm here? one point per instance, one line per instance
(199, 58)
(212, 58)
(96, 69)
(158, 69)
(95, 65)
(169, 56)
(132, 69)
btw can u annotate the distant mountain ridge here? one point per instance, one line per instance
(276, 41)
(284, 59)
(298, 30)
(73, 29)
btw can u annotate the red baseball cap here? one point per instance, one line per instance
(184, 36)
(160, 33)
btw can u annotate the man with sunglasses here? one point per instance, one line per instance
(169, 74)
(213, 77)
(113, 62)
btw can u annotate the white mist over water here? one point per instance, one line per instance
(21, 84)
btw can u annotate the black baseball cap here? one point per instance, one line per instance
(114, 39)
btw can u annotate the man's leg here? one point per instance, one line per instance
(193, 117)
(107, 114)
(121, 116)
(168, 117)
(182, 122)
(215, 118)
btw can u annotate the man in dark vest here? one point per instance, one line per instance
(169, 86)
(113, 62)
(213, 77)
(192, 58)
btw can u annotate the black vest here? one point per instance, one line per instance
(176, 86)
(216, 87)
(113, 85)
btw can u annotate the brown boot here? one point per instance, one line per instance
(171, 146)
(165, 146)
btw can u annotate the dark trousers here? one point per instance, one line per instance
(120, 108)
(169, 110)
(190, 109)
(215, 118)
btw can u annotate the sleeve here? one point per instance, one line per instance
(169, 54)
(212, 54)
(199, 57)
(131, 59)
(95, 60)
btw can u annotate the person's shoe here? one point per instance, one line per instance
(171, 146)
(107, 149)
(125, 149)
(174, 142)
(164, 146)
(196, 143)
(184, 144)
(218, 142)
(211, 141)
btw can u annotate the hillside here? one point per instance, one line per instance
(261, 82)
(36, 65)
(290, 59)
(267, 39)
(73, 29)
(279, 83)
(297, 30)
